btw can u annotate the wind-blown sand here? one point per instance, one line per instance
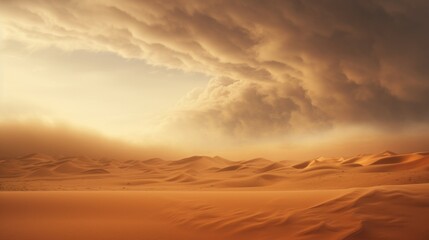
(378, 196)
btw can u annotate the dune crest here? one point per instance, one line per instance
(204, 172)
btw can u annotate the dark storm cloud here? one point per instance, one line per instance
(277, 66)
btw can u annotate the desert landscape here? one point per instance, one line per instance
(38, 172)
(214, 120)
(370, 196)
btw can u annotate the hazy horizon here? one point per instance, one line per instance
(214, 119)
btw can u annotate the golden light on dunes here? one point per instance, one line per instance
(189, 119)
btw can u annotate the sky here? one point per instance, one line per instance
(241, 79)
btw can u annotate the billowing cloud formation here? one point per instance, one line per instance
(277, 66)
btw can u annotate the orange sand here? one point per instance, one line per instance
(381, 196)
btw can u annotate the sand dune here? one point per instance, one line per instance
(68, 168)
(200, 162)
(270, 167)
(36, 172)
(352, 214)
(370, 196)
(154, 161)
(96, 171)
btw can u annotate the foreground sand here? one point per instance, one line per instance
(374, 196)
(385, 212)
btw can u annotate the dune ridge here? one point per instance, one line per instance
(372, 213)
(36, 172)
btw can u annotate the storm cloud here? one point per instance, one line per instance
(277, 67)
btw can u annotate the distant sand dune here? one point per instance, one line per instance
(270, 167)
(42, 173)
(96, 171)
(203, 172)
(68, 168)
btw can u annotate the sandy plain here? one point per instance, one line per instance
(370, 196)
